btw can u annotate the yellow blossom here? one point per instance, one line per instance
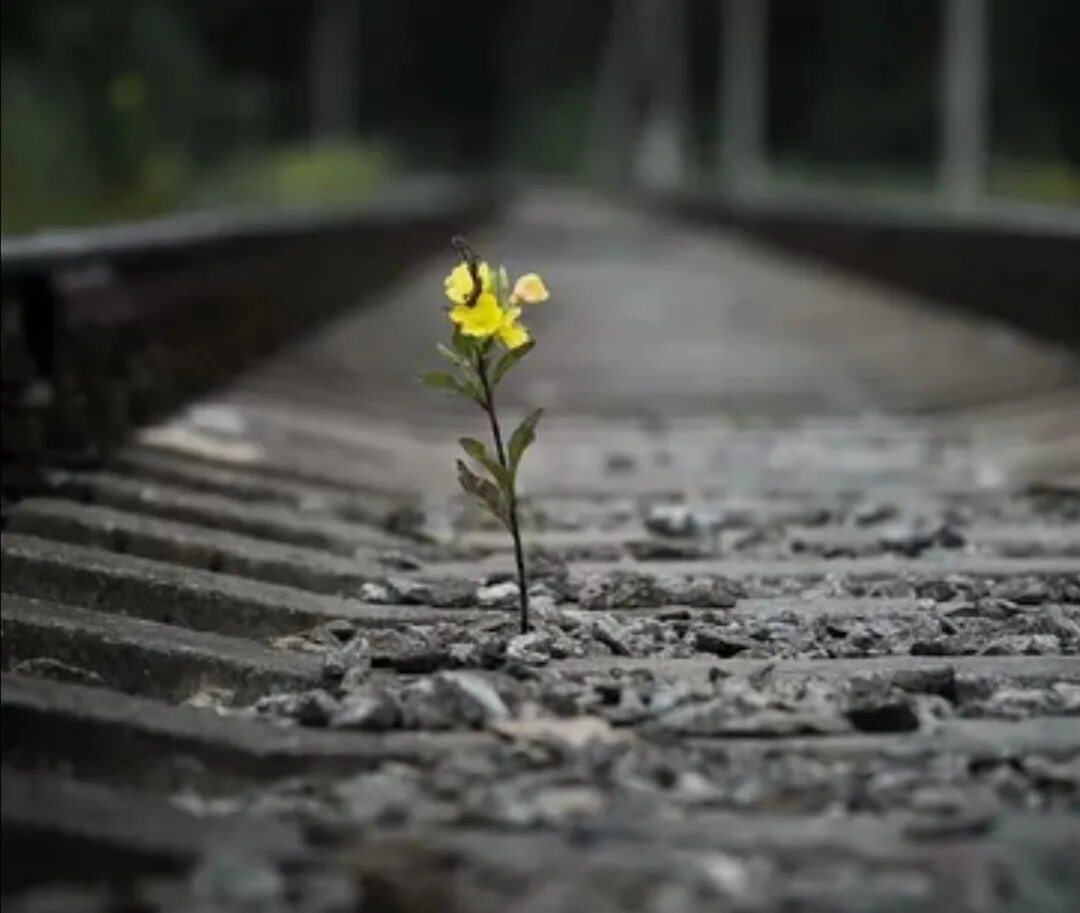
(486, 319)
(459, 284)
(513, 334)
(530, 288)
(483, 319)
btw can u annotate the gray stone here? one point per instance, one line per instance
(498, 595)
(674, 520)
(718, 644)
(375, 712)
(533, 648)
(315, 708)
(611, 634)
(376, 593)
(475, 700)
(619, 590)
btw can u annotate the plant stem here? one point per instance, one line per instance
(511, 494)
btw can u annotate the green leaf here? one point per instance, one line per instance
(441, 380)
(453, 357)
(483, 490)
(502, 286)
(523, 436)
(510, 359)
(478, 452)
(464, 345)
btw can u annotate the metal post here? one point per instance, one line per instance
(963, 103)
(334, 88)
(661, 147)
(742, 92)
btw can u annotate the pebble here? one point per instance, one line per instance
(700, 591)
(533, 648)
(498, 596)
(673, 520)
(619, 590)
(473, 698)
(720, 644)
(315, 708)
(366, 712)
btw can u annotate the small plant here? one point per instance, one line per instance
(488, 339)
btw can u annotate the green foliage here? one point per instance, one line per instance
(523, 436)
(441, 380)
(473, 374)
(331, 173)
(478, 452)
(484, 491)
(510, 359)
(127, 110)
(484, 305)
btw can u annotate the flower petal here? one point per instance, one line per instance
(459, 284)
(513, 335)
(483, 319)
(530, 288)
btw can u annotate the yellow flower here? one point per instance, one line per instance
(486, 319)
(530, 288)
(483, 319)
(513, 334)
(459, 284)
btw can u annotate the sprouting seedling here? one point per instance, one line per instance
(487, 340)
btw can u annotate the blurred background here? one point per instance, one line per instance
(128, 109)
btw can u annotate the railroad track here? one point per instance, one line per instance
(808, 613)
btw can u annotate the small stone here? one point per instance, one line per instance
(376, 593)
(911, 540)
(937, 590)
(450, 592)
(1024, 592)
(612, 635)
(367, 713)
(532, 649)
(992, 609)
(498, 596)
(619, 590)
(315, 708)
(475, 700)
(211, 699)
(718, 644)
(410, 592)
(896, 715)
(673, 520)
(284, 705)
(420, 661)
(870, 513)
(336, 631)
(333, 669)
(940, 681)
(658, 550)
(705, 592)
(465, 653)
